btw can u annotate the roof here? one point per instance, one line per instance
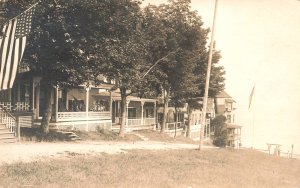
(210, 102)
(101, 86)
(229, 100)
(223, 94)
(117, 97)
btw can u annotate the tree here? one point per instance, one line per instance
(216, 85)
(220, 134)
(78, 40)
(176, 30)
(50, 51)
(114, 43)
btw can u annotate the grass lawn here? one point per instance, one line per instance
(34, 134)
(173, 168)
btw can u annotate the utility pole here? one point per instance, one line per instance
(203, 121)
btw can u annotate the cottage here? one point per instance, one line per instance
(182, 115)
(85, 107)
(225, 105)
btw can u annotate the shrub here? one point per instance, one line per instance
(220, 134)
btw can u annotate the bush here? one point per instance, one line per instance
(220, 134)
(34, 134)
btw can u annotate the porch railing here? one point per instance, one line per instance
(8, 119)
(134, 122)
(149, 121)
(18, 106)
(172, 125)
(77, 116)
(138, 122)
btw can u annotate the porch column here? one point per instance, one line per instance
(33, 96)
(127, 104)
(110, 104)
(87, 88)
(36, 96)
(116, 114)
(37, 104)
(56, 103)
(67, 101)
(142, 114)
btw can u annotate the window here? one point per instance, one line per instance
(228, 118)
(132, 113)
(149, 113)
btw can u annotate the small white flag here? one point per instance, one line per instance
(251, 96)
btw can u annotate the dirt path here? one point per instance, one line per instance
(31, 151)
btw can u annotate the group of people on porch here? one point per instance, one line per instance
(76, 105)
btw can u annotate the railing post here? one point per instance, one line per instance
(142, 113)
(56, 103)
(18, 128)
(87, 88)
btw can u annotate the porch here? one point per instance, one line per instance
(72, 106)
(82, 108)
(141, 113)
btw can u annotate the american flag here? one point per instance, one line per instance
(12, 46)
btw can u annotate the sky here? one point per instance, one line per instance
(259, 42)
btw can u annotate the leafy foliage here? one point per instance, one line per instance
(144, 51)
(220, 134)
(177, 32)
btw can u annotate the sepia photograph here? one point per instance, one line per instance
(150, 93)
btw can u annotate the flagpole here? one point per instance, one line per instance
(25, 11)
(203, 120)
(253, 118)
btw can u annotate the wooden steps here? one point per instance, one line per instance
(6, 136)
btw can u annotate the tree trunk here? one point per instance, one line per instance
(188, 131)
(166, 102)
(123, 112)
(48, 108)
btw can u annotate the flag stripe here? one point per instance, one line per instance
(17, 58)
(4, 52)
(2, 41)
(1, 48)
(9, 58)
